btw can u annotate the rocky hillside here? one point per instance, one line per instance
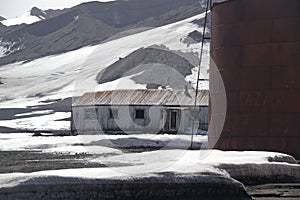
(88, 24)
(47, 14)
(153, 67)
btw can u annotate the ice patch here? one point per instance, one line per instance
(41, 112)
(45, 122)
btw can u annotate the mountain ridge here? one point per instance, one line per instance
(89, 24)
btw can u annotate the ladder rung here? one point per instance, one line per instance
(203, 79)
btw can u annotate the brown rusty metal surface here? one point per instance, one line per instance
(256, 46)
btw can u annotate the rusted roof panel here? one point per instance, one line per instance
(144, 97)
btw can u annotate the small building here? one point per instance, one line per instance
(140, 111)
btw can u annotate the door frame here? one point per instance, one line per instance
(172, 120)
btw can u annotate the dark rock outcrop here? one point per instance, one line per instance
(143, 61)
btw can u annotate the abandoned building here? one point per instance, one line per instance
(140, 111)
(255, 45)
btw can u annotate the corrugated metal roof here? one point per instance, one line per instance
(144, 97)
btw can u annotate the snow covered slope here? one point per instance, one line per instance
(74, 73)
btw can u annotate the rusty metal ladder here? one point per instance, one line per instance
(204, 38)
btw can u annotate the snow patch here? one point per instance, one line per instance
(124, 83)
(6, 48)
(25, 18)
(41, 112)
(90, 143)
(2, 51)
(45, 122)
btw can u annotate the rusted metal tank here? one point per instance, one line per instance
(256, 47)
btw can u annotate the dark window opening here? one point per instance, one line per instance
(113, 114)
(173, 120)
(139, 114)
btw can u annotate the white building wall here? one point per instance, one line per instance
(97, 119)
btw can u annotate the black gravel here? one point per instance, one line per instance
(287, 191)
(32, 161)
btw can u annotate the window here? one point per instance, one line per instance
(139, 114)
(113, 113)
(91, 113)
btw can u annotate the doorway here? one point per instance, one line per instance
(173, 120)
